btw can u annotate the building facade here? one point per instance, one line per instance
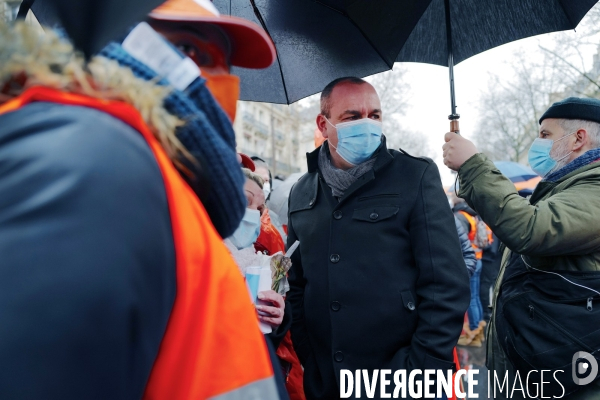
(275, 133)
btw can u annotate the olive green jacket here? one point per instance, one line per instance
(557, 228)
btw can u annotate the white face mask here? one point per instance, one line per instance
(266, 189)
(247, 233)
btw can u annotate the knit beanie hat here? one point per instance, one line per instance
(574, 108)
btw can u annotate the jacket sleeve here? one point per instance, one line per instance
(296, 297)
(465, 244)
(555, 226)
(443, 286)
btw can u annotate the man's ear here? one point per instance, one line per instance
(582, 138)
(322, 125)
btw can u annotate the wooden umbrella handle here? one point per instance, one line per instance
(454, 126)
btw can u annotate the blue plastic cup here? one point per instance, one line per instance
(252, 281)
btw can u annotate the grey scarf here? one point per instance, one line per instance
(338, 179)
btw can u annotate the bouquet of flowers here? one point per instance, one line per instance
(280, 265)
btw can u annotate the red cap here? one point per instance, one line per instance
(251, 46)
(247, 162)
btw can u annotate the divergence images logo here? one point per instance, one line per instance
(584, 363)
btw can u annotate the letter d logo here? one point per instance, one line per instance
(581, 363)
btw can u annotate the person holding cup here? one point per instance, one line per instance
(270, 305)
(268, 243)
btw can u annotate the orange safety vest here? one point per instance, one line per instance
(473, 232)
(212, 345)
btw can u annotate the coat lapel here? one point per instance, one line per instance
(304, 192)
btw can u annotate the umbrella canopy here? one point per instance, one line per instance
(515, 172)
(91, 24)
(451, 31)
(479, 25)
(319, 41)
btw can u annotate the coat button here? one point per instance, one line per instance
(335, 306)
(410, 305)
(374, 216)
(311, 202)
(334, 258)
(338, 356)
(337, 214)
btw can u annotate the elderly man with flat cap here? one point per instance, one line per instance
(552, 231)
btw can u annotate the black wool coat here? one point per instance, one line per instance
(378, 281)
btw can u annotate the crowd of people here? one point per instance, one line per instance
(131, 231)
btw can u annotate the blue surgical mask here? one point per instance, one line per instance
(248, 231)
(539, 155)
(357, 140)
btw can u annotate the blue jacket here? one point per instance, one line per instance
(87, 262)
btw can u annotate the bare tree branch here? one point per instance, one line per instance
(580, 72)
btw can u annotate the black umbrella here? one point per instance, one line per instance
(450, 31)
(90, 24)
(320, 41)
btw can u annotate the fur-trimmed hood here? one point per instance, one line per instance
(31, 56)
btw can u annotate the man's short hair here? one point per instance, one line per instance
(592, 128)
(326, 93)
(253, 177)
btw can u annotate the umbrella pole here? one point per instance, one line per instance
(453, 117)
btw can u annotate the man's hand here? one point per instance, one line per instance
(457, 150)
(271, 314)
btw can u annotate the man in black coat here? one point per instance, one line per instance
(378, 281)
